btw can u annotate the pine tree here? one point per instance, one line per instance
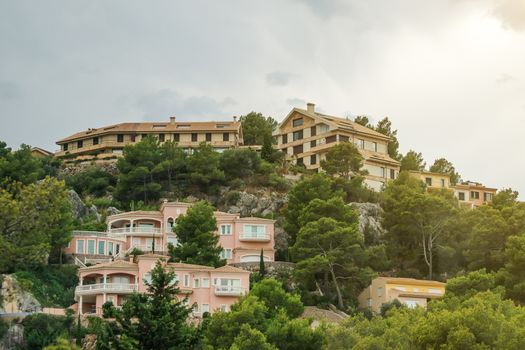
(262, 268)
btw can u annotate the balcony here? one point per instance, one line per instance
(229, 291)
(138, 231)
(119, 288)
(254, 237)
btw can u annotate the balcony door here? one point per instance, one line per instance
(120, 279)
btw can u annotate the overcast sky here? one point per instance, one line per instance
(450, 74)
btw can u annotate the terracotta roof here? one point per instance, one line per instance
(155, 127)
(382, 157)
(228, 268)
(190, 266)
(41, 150)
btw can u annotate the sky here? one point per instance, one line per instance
(450, 74)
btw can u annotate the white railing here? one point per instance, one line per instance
(127, 230)
(106, 287)
(229, 290)
(255, 236)
(77, 233)
(143, 248)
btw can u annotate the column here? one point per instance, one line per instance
(103, 298)
(80, 305)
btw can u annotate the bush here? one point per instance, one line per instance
(4, 327)
(42, 329)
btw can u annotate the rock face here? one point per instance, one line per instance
(260, 203)
(369, 220)
(14, 338)
(15, 299)
(79, 209)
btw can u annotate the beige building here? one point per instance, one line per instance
(306, 135)
(108, 142)
(473, 194)
(433, 181)
(409, 291)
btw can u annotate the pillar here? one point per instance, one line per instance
(80, 305)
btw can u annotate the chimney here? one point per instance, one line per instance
(234, 118)
(310, 107)
(172, 120)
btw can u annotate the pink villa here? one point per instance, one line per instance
(116, 272)
(208, 289)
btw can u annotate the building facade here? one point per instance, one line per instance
(108, 142)
(242, 239)
(433, 181)
(206, 288)
(473, 194)
(306, 135)
(409, 291)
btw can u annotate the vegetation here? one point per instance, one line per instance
(384, 126)
(256, 128)
(41, 330)
(413, 161)
(92, 181)
(443, 166)
(343, 160)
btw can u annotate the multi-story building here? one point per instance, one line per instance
(473, 194)
(109, 141)
(433, 181)
(409, 291)
(242, 239)
(306, 135)
(208, 289)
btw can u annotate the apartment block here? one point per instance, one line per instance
(242, 239)
(433, 181)
(409, 291)
(473, 194)
(208, 289)
(109, 141)
(306, 135)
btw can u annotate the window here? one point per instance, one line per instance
(101, 247)
(428, 181)
(375, 146)
(205, 308)
(298, 135)
(361, 144)
(186, 280)
(194, 137)
(162, 137)
(80, 144)
(65, 146)
(120, 137)
(226, 254)
(369, 302)
(442, 182)
(380, 292)
(208, 137)
(323, 128)
(313, 131)
(411, 304)
(300, 161)
(91, 246)
(223, 308)
(226, 230)
(461, 196)
(226, 136)
(297, 122)
(110, 248)
(80, 246)
(133, 137)
(392, 174)
(383, 172)
(435, 291)
(173, 240)
(313, 159)
(95, 140)
(298, 149)
(143, 136)
(256, 231)
(474, 195)
(205, 282)
(170, 224)
(147, 277)
(313, 144)
(176, 137)
(196, 283)
(285, 138)
(343, 138)
(331, 139)
(487, 197)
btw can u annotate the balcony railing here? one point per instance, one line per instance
(77, 233)
(138, 230)
(229, 290)
(105, 288)
(257, 237)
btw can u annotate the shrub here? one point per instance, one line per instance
(42, 329)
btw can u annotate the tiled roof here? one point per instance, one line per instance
(376, 155)
(151, 127)
(190, 266)
(228, 268)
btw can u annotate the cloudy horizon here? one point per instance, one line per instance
(449, 74)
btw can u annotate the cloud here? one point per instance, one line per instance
(296, 102)
(511, 13)
(505, 78)
(8, 90)
(278, 78)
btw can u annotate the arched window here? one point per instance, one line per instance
(171, 224)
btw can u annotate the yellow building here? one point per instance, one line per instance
(40, 152)
(433, 181)
(409, 291)
(306, 135)
(108, 142)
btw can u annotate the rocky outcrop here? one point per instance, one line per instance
(369, 220)
(15, 299)
(69, 169)
(14, 338)
(260, 203)
(79, 209)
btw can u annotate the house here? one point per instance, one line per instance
(108, 142)
(306, 135)
(242, 239)
(409, 291)
(40, 152)
(473, 194)
(433, 181)
(207, 288)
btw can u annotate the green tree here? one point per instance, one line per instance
(413, 161)
(272, 294)
(257, 128)
(364, 121)
(384, 126)
(156, 319)
(262, 267)
(172, 166)
(512, 275)
(92, 181)
(239, 163)
(62, 344)
(204, 169)
(342, 160)
(19, 166)
(251, 339)
(443, 166)
(198, 243)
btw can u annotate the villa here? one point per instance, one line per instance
(208, 289)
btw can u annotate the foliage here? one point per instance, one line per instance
(384, 126)
(262, 267)
(512, 275)
(342, 160)
(204, 169)
(443, 166)
(198, 243)
(92, 181)
(413, 161)
(257, 128)
(52, 286)
(230, 161)
(35, 222)
(19, 166)
(276, 299)
(4, 327)
(41, 330)
(62, 344)
(251, 339)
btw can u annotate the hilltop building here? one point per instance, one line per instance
(108, 142)
(473, 194)
(242, 239)
(409, 291)
(433, 181)
(306, 135)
